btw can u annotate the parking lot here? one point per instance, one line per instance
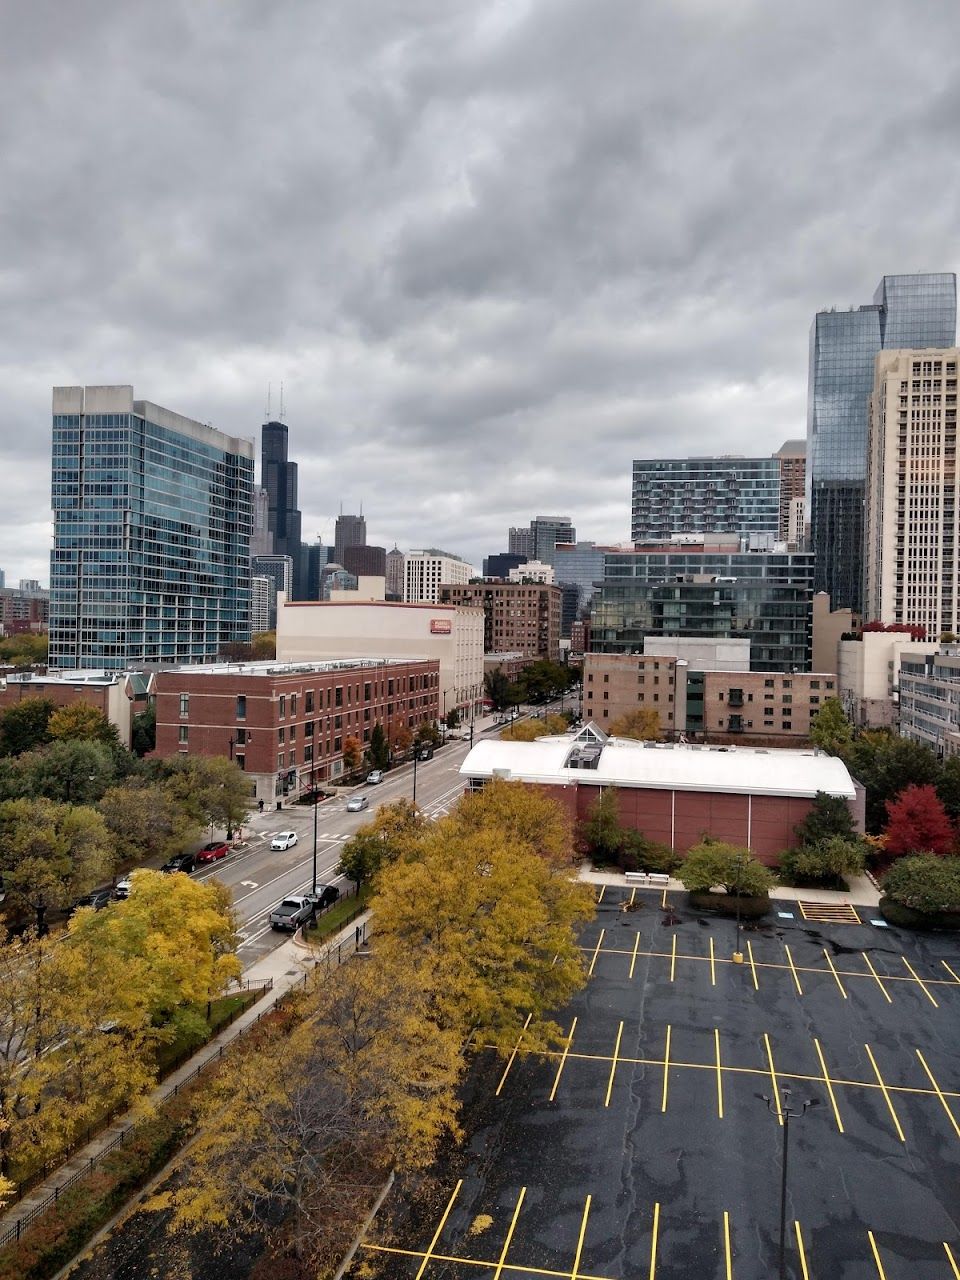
(640, 1146)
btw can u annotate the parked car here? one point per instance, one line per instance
(213, 851)
(284, 840)
(356, 803)
(325, 896)
(425, 752)
(375, 776)
(184, 862)
(121, 889)
(292, 913)
(98, 899)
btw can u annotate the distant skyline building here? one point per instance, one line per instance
(365, 561)
(279, 569)
(727, 494)
(425, 572)
(500, 564)
(151, 542)
(546, 532)
(792, 459)
(394, 574)
(279, 477)
(520, 542)
(908, 311)
(263, 604)
(351, 531)
(261, 539)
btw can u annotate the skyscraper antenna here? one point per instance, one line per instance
(266, 412)
(281, 401)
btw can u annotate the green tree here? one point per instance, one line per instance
(145, 822)
(70, 771)
(23, 726)
(713, 862)
(392, 832)
(80, 721)
(144, 731)
(378, 750)
(600, 832)
(830, 729)
(924, 882)
(427, 731)
(828, 816)
(453, 718)
(24, 650)
(823, 861)
(211, 791)
(948, 787)
(543, 680)
(886, 763)
(498, 689)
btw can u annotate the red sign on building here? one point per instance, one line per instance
(440, 626)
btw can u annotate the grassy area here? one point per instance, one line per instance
(336, 917)
(221, 1012)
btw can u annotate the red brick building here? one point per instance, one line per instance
(285, 724)
(518, 617)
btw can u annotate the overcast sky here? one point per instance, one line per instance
(493, 250)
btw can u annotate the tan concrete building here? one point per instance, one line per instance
(828, 627)
(615, 684)
(522, 618)
(792, 457)
(869, 675)
(775, 706)
(912, 512)
(426, 571)
(326, 630)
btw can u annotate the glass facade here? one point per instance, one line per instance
(907, 311)
(704, 495)
(151, 552)
(577, 567)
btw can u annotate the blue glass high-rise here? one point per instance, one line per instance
(908, 311)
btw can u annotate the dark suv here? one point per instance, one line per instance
(180, 862)
(325, 896)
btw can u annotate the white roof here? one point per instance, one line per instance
(624, 763)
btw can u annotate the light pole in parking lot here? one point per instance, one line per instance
(786, 1113)
(737, 956)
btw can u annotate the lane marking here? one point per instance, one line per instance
(716, 1042)
(633, 894)
(596, 953)
(613, 1066)
(673, 958)
(603, 890)
(886, 993)
(834, 972)
(773, 1079)
(876, 1257)
(801, 1252)
(952, 1260)
(506, 1069)
(663, 900)
(436, 1234)
(939, 1092)
(506, 1244)
(955, 979)
(793, 970)
(666, 1071)
(583, 1230)
(633, 958)
(726, 1244)
(653, 1242)
(917, 978)
(753, 965)
(713, 965)
(828, 1083)
(886, 1094)
(563, 1060)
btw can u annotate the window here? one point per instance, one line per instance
(293, 732)
(293, 704)
(240, 737)
(241, 762)
(281, 734)
(606, 679)
(338, 695)
(283, 705)
(788, 697)
(787, 724)
(241, 706)
(184, 733)
(184, 704)
(308, 753)
(768, 684)
(308, 728)
(308, 702)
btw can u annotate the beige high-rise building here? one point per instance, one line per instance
(912, 517)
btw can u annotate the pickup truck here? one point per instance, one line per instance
(292, 913)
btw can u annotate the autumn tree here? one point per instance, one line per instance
(144, 822)
(264, 645)
(643, 724)
(714, 862)
(24, 650)
(352, 754)
(24, 726)
(917, 823)
(886, 763)
(393, 831)
(523, 731)
(830, 729)
(209, 790)
(522, 814)
(84, 722)
(402, 739)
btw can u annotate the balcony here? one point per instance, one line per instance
(735, 698)
(735, 724)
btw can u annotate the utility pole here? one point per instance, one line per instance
(737, 956)
(786, 1114)
(415, 754)
(313, 780)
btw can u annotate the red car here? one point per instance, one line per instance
(213, 851)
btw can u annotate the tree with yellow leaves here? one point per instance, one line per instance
(81, 721)
(643, 724)
(524, 814)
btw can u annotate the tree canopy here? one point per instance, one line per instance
(643, 724)
(81, 721)
(24, 726)
(51, 854)
(714, 862)
(925, 883)
(917, 823)
(830, 729)
(827, 817)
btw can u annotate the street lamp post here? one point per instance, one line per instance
(786, 1114)
(737, 956)
(313, 781)
(416, 752)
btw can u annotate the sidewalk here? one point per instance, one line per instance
(286, 966)
(862, 892)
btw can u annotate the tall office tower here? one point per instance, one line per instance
(351, 531)
(914, 311)
(546, 532)
(279, 478)
(318, 556)
(704, 495)
(394, 574)
(279, 569)
(425, 572)
(365, 561)
(151, 536)
(912, 518)
(500, 564)
(263, 604)
(579, 568)
(261, 539)
(3, 580)
(520, 542)
(792, 460)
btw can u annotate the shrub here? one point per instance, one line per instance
(926, 883)
(826, 862)
(712, 862)
(639, 853)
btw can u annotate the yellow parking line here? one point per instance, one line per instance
(726, 1244)
(506, 1069)
(793, 970)
(633, 896)
(916, 976)
(886, 993)
(613, 1066)
(876, 1257)
(563, 1060)
(773, 1079)
(955, 978)
(506, 1244)
(713, 964)
(603, 890)
(663, 901)
(753, 966)
(596, 952)
(886, 1095)
(952, 1260)
(583, 1231)
(436, 1234)
(666, 1071)
(673, 958)
(653, 1242)
(716, 1041)
(800, 1250)
(939, 1092)
(827, 1082)
(633, 958)
(834, 972)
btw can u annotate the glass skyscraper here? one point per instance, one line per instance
(279, 477)
(704, 495)
(151, 544)
(906, 312)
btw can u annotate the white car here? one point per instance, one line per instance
(284, 840)
(375, 776)
(356, 803)
(122, 888)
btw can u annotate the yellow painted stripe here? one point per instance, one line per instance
(917, 978)
(563, 1060)
(886, 1095)
(673, 958)
(773, 1079)
(663, 900)
(506, 1244)
(801, 1253)
(436, 1234)
(886, 993)
(713, 965)
(603, 890)
(956, 979)
(827, 1082)
(516, 1047)
(716, 1041)
(834, 972)
(485, 1263)
(633, 958)
(666, 1071)
(596, 952)
(753, 966)
(726, 1244)
(952, 1260)
(876, 1257)
(793, 970)
(633, 896)
(939, 1092)
(583, 1231)
(653, 1242)
(613, 1066)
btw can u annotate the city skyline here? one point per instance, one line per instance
(531, 243)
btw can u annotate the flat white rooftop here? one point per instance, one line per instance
(270, 667)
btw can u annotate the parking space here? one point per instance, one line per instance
(642, 1146)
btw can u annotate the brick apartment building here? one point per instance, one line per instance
(285, 724)
(517, 617)
(117, 695)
